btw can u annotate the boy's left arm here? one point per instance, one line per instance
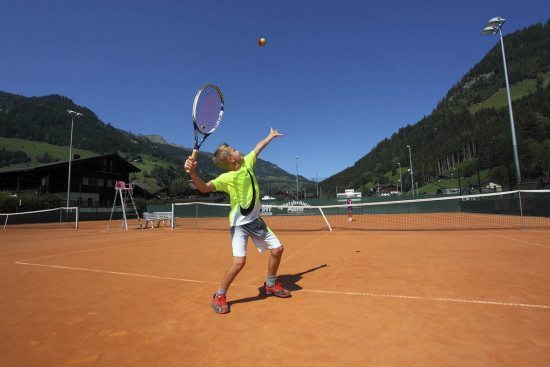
(263, 143)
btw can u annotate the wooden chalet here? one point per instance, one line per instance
(92, 179)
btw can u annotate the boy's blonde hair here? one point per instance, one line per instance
(220, 156)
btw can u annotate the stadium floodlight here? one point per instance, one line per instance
(496, 22)
(297, 176)
(494, 26)
(411, 169)
(489, 30)
(73, 114)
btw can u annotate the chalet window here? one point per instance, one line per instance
(90, 181)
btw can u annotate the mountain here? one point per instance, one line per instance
(160, 140)
(44, 119)
(470, 128)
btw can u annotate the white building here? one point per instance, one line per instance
(349, 193)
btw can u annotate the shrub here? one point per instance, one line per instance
(8, 202)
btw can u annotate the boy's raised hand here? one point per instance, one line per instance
(261, 145)
(274, 133)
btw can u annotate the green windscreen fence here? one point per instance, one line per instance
(512, 209)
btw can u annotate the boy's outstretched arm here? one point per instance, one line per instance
(263, 143)
(190, 167)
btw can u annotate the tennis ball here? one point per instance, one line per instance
(261, 42)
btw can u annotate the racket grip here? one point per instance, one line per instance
(193, 157)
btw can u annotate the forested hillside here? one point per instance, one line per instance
(467, 128)
(44, 119)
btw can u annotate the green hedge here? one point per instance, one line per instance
(29, 202)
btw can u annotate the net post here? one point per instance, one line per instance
(173, 216)
(325, 218)
(77, 209)
(196, 215)
(6, 222)
(520, 210)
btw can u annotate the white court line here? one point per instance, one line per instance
(395, 296)
(94, 249)
(53, 248)
(515, 239)
(430, 298)
(114, 272)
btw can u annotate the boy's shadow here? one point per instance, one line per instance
(289, 281)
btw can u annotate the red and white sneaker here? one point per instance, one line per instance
(219, 303)
(278, 290)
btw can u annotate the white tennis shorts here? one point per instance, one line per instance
(261, 235)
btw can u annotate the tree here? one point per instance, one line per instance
(179, 187)
(46, 158)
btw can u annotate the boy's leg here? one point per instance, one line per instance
(219, 300)
(271, 285)
(232, 271)
(265, 239)
(239, 237)
(274, 260)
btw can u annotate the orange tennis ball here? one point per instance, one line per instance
(261, 42)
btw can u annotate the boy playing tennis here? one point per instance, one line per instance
(244, 219)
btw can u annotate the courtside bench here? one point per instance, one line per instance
(158, 217)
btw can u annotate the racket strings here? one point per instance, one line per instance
(208, 110)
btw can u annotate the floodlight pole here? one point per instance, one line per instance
(493, 26)
(73, 114)
(400, 178)
(297, 176)
(512, 125)
(411, 166)
(317, 183)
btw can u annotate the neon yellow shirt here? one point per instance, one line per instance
(243, 190)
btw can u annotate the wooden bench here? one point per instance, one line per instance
(158, 217)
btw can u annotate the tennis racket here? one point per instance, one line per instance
(207, 114)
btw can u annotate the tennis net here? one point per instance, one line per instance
(47, 218)
(502, 210)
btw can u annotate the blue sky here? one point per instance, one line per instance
(336, 77)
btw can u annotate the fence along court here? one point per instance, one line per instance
(502, 210)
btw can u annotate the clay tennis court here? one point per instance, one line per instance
(377, 298)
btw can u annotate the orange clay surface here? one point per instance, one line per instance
(89, 297)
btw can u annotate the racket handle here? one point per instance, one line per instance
(193, 157)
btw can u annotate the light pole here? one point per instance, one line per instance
(73, 115)
(411, 169)
(494, 26)
(317, 182)
(297, 176)
(400, 179)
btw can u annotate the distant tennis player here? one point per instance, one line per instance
(244, 218)
(350, 209)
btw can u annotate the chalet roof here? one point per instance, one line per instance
(78, 161)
